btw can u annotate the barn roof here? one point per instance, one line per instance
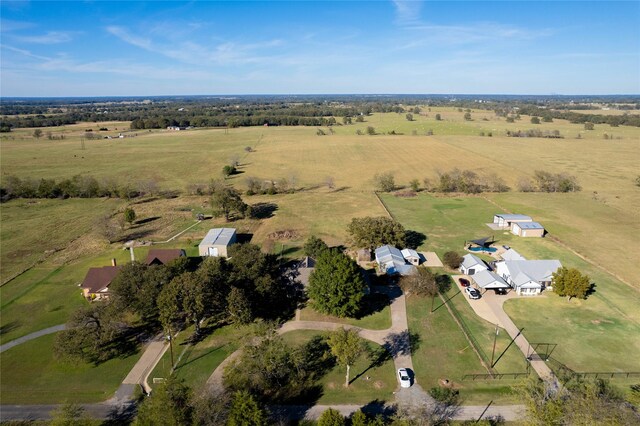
(218, 236)
(514, 216)
(529, 225)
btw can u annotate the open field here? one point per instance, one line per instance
(600, 222)
(351, 159)
(578, 327)
(369, 382)
(32, 375)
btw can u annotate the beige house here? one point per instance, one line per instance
(527, 229)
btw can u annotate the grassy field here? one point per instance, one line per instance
(379, 386)
(599, 223)
(586, 331)
(31, 375)
(380, 320)
(442, 352)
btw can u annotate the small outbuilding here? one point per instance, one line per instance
(505, 220)
(163, 256)
(392, 262)
(472, 264)
(527, 229)
(217, 241)
(411, 256)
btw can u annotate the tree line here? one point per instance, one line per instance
(469, 182)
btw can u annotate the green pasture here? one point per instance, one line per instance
(32, 375)
(573, 325)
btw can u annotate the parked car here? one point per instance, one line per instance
(403, 376)
(500, 291)
(473, 293)
(463, 282)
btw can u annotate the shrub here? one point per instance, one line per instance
(452, 259)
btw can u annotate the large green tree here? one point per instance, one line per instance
(314, 246)
(227, 201)
(347, 347)
(372, 232)
(170, 405)
(336, 286)
(571, 283)
(245, 411)
(331, 417)
(384, 182)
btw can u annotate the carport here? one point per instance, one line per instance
(487, 280)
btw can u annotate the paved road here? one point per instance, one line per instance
(32, 336)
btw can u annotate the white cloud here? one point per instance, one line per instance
(407, 11)
(225, 53)
(51, 37)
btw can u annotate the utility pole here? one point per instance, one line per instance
(171, 349)
(493, 352)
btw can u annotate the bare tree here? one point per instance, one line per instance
(330, 182)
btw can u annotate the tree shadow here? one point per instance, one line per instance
(372, 303)
(243, 238)
(378, 356)
(414, 239)
(342, 188)
(263, 210)
(120, 415)
(377, 407)
(9, 327)
(146, 220)
(401, 343)
(590, 291)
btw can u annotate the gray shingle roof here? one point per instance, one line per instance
(469, 260)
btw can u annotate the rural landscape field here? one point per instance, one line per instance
(358, 213)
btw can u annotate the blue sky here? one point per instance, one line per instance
(99, 48)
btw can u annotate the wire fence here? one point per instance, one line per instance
(467, 331)
(495, 376)
(562, 369)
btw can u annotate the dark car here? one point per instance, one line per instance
(463, 282)
(500, 291)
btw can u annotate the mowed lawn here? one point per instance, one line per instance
(32, 375)
(195, 363)
(585, 331)
(443, 353)
(368, 381)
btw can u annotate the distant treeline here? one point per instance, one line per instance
(470, 182)
(576, 117)
(289, 110)
(157, 116)
(75, 187)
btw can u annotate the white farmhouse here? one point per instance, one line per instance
(528, 277)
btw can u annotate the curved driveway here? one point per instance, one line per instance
(32, 336)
